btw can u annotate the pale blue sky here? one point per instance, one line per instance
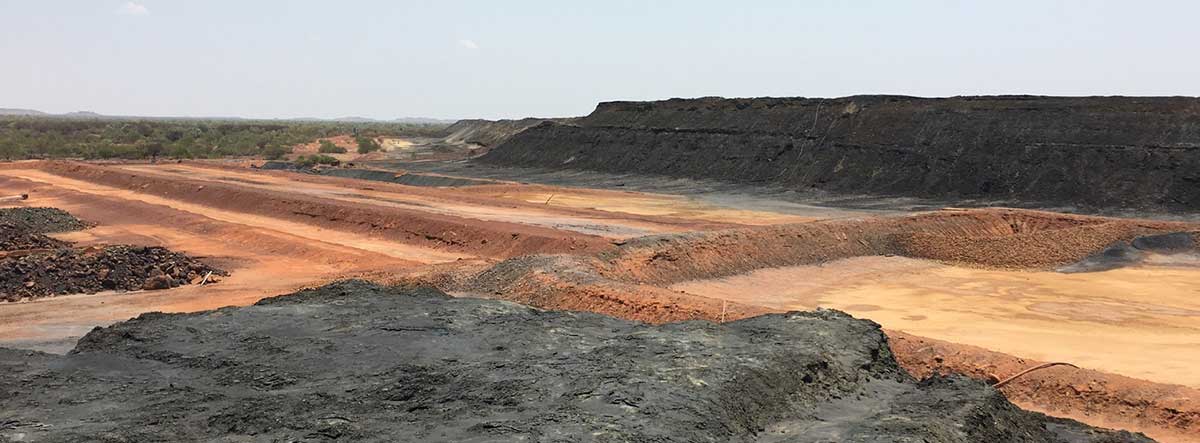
(452, 59)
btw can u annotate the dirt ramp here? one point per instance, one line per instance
(355, 361)
(1095, 152)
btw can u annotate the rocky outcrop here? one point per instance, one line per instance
(359, 362)
(1093, 152)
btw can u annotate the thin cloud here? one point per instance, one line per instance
(131, 8)
(469, 44)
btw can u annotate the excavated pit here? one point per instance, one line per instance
(639, 281)
(635, 278)
(355, 361)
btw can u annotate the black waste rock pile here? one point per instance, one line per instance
(1095, 153)
(24, 228)
(90, 270)
(16, 238)
(41, 220)
(354, 361)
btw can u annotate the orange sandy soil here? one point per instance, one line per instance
(279, 231)
(313, 147)
(1142, 322)
(964, 277)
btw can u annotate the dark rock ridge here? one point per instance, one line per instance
(354, 361)
(1089, 152)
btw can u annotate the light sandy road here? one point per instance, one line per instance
(1141, 322)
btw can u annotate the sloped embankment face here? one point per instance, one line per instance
(990, 238)
(489, 133)
(356, 361)
(631, 280)
(1098, 152)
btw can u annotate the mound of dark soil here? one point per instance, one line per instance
(16, 238)
(40, 220)
(1091, 152)
(1170, 243)
(74, 271)
(1122, 254)
(23, 228)
(358, 362)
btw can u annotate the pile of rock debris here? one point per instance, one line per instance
(34, 265)
(24, 228)
(89, 270)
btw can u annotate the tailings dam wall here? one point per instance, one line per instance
(1090, 152)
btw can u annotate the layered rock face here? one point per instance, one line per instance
(1089, 152)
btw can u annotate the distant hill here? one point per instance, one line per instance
(410, 120)
(354, 120)
(82, 114)
(16, 111)
(89, 114)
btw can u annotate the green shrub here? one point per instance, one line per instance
(367, 145)
(275, 152)
(315, 159)
(327, 147)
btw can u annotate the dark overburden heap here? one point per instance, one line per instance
(24, 228)
(72, 271)
(357, 362)
(16, 238)
(41, 220)
(1090, 152)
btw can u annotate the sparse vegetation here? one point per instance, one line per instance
(367, 145)
(327, 147)
(25, 137)
(316, 159)
(275, 152)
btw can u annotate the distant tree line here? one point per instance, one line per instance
(25, 137)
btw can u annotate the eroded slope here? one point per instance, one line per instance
(361, 362)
